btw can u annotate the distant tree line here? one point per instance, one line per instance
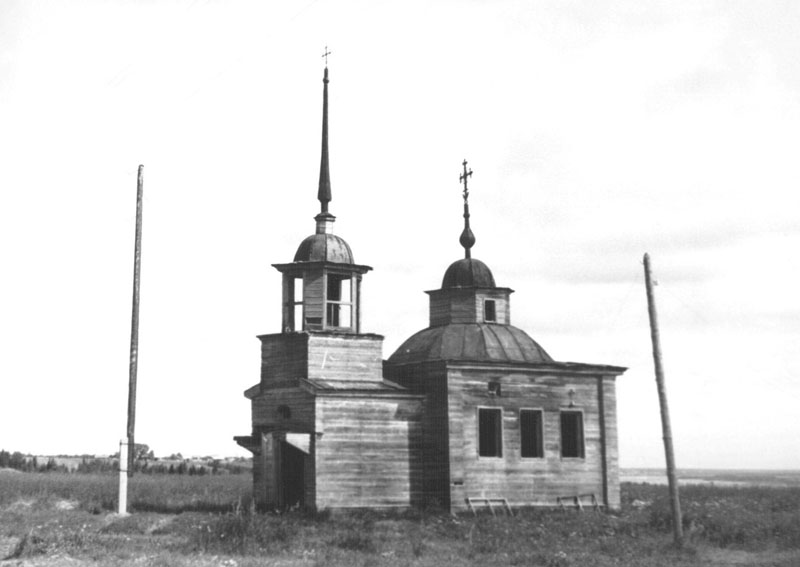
(145, 464)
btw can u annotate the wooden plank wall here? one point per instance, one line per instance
(267, 420)
(534, 480)
(345, 357)
(466, 306)
(502, 306)
(313, 296)
(364, 455)
(433, 487)
(265, 415)
(612, 442)
(284, 359)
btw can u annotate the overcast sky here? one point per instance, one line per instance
(596, 130)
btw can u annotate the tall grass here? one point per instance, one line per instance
(146, 493)
(746, 517)
(213, 516)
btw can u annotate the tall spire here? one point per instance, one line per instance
(324, 193)
(467, 239)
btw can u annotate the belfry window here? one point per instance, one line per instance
(297, 303)
(339, 301)
(490, 432)
(531, 433)
(489, 311)
(572, 434)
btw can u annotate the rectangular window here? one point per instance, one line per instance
(489, 312)
(531, 433)
(572, 434)
(297, 304)
(339, 304)
(490, 432)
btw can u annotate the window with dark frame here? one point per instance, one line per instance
(339, 304)
(490, 432)
(531, 433)
(489, 311)
(572, 434)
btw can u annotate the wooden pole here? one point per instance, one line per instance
(122, 509)
(137, 260)
(677, 526)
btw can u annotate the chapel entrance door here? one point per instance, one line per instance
(292, 475)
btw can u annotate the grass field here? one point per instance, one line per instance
(59, 519)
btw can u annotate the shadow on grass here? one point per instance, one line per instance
(180, 507)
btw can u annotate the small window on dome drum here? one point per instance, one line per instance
(489, 311)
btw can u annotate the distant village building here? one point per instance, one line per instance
(466, 410)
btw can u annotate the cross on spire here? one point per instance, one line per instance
(325, 55)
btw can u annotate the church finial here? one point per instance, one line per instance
(324, 193)
(467, 239)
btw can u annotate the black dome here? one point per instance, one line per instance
(468, 272)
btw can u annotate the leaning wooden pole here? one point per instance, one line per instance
(677, 526)
(134, 362)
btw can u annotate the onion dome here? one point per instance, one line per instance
(468, 272)
(475, 342)
(324, 248)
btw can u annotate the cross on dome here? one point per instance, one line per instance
(467, 239)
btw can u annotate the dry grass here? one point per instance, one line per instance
(48, 519)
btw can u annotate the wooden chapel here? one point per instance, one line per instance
(468, 410)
